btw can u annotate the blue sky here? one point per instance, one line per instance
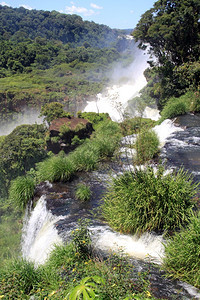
(114, 13)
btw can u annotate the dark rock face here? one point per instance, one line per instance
(67, 133)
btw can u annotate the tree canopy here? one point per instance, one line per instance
(172, 29)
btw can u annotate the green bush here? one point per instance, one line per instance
(146, 145)
(22, 190)
(85, 157)
(176, 107)
(136, 124)
(142, 201)
(83, 192)
(182, 253)
(19, 278)
(55, 168)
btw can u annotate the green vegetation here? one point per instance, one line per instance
(22, 190)
(180, 106)
(83, 192)
(182, 254)
(69, 272)
(55, 168)
(135, 125)
(146, 145)
(10, 231)
(172, 30)
(86, 157)
(52, 111)
(45, 25)
(19, 152)
(142, 201)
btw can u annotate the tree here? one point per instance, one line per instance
(52, 111)
(172, 29)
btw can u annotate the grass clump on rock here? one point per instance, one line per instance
(146, 145)
(22, 190)
(142, 201)
(83, 192)
(182, 253)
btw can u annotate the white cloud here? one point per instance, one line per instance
(79, 10)
(4, 4)
(93, 5)
(26, 6)
(132, 11)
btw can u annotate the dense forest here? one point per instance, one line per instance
(49, 56)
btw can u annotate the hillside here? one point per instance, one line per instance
(20, 23)
(49, 56)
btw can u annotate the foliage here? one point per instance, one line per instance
(45, 25)
(142, 200)
(65, 270)
(135, 125)
(10, 231)
(22, 190)
(94, 118)
(52, 111)
(172, 30)
(81, 239)
(21, 149)
(175, 107)
(56, 168)
(182, 253)
(146, 145)
(83, 192)
(18, 278)
(87, 288)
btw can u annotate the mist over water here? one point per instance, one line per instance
(126, 84)
(28, 116)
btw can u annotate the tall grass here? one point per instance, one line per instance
(182, 253)
(146, 145)
(56, 168)
(84, 158)
(18, 279)
(22, 190)
(142, 201)
(83, 192)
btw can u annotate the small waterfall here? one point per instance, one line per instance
(39, 233)
(148, 246)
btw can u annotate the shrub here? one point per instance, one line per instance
(142, 201)
(175, 107)
(83, 192)
(18, 279)
(85, 157)
(146, 145)
(22, 190)
(81, 239)
(136, 124)
(56, 168)
(182, 254)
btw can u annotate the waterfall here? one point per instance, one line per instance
(128, 83)
(39, 234)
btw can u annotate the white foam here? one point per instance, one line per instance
(39, 233)
(148, 246)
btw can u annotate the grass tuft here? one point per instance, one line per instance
(182, 254)
(142, 201)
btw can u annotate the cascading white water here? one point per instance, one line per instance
(148, 246)
(39, 234)
(130, 81)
